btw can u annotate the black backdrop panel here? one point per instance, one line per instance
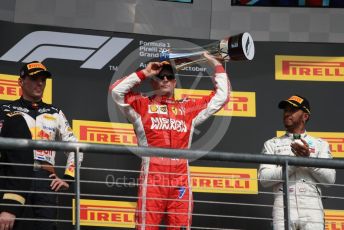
(80, 88)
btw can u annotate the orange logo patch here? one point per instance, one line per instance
(36, 65)
(296, 98)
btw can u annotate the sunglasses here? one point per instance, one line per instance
(168, 76)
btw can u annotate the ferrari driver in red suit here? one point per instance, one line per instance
(161, 121)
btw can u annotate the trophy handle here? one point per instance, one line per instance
(198, 61)
(190, 63)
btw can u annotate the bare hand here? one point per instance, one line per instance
(57, 184)
(152, 69)
(300, 150)
(6, 220)
(213, 60)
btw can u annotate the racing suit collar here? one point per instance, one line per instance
(163, 99)
(291, 135)
(31, 105)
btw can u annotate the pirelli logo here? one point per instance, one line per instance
(104, 132)
(335, 140)
(334, 219)
(105, 213)
(240, 104)
(224, 180)
(308, 68)
(36, 65)
(10, 90)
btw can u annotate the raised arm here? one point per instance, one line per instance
(121, 89)
(209, 105)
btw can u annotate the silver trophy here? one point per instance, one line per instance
(238, 47)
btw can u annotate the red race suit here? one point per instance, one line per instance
(164, 190)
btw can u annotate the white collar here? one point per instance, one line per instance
(291, 135)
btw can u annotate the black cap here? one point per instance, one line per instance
(33, 69)
(297, 102)
(167, 66)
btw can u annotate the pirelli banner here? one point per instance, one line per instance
(105, 213)
(10, 90)
(309, 68)
(119, 214)
(242, 104)
(105, 132)
(334, 219)
(224, 180)
(84, 63)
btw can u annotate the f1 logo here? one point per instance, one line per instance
(40, 45)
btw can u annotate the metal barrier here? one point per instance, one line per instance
(285, 161)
